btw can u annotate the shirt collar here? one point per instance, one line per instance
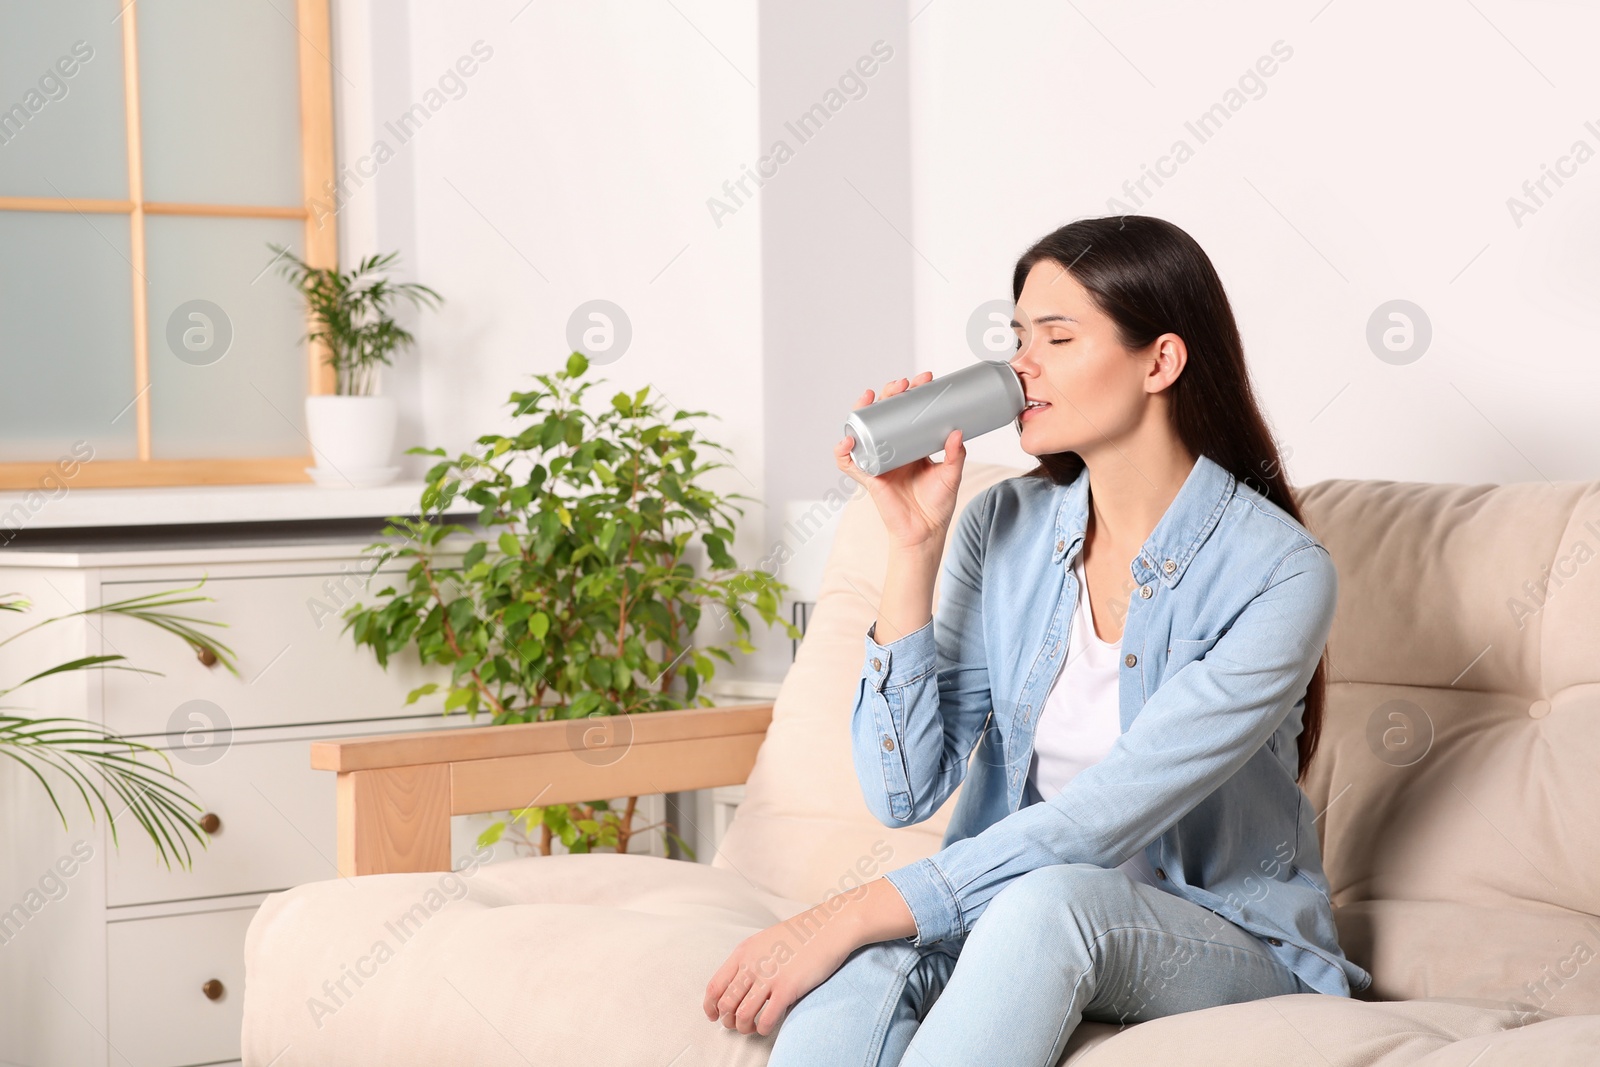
(1188, 521)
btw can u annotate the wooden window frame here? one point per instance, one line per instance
(321, 250)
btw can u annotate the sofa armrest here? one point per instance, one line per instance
(396, 792)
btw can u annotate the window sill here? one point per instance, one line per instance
(30, 509)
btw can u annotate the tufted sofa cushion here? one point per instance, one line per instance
(1458, 769)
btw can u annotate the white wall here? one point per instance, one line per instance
(1375, 165)
(579, 171)
(576, 167)
(573, 164)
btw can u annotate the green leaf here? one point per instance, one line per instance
(509, 545)
(421, 691)
(462, 612)
(101, 766)
(85, 663)
(717, 550)
(576, 365)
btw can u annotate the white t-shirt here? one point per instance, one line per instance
(1080, 720)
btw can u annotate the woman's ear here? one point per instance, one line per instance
(1171, 356)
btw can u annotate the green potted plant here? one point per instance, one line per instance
(94, 762)
(578, 595)
(352, 431)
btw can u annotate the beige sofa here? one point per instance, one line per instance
(1459, 777)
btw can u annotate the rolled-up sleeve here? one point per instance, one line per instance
(923, 698)
(1196, 730)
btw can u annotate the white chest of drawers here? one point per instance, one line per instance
(107, 958)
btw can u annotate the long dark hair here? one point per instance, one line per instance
(1152, 278)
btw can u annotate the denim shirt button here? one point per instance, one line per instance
(1161, 874)
(1274, 942)
(1131, 659)
(1144, 593)
(877, 664)
(1169, 566)
(888, 743)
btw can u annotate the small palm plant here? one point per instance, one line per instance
(351, 315)
(96, 762)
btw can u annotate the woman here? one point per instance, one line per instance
(1130, 638)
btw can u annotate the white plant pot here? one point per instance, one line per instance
(352, 438)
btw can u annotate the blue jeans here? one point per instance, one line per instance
(1055, 945)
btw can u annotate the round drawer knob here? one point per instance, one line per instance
(210, 823)
(212, 989)
(206, 657)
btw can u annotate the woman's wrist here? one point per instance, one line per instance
(877, 912)
(928, 549)
(907, 603)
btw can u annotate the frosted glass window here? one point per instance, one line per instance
(227, 357)
(141, 321)
(219, 100)
(66, 331)
(62, 115)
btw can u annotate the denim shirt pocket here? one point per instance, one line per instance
(1183, 651)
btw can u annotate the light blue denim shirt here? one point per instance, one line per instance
(1231, 604)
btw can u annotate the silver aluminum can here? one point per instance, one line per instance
(911, 425)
